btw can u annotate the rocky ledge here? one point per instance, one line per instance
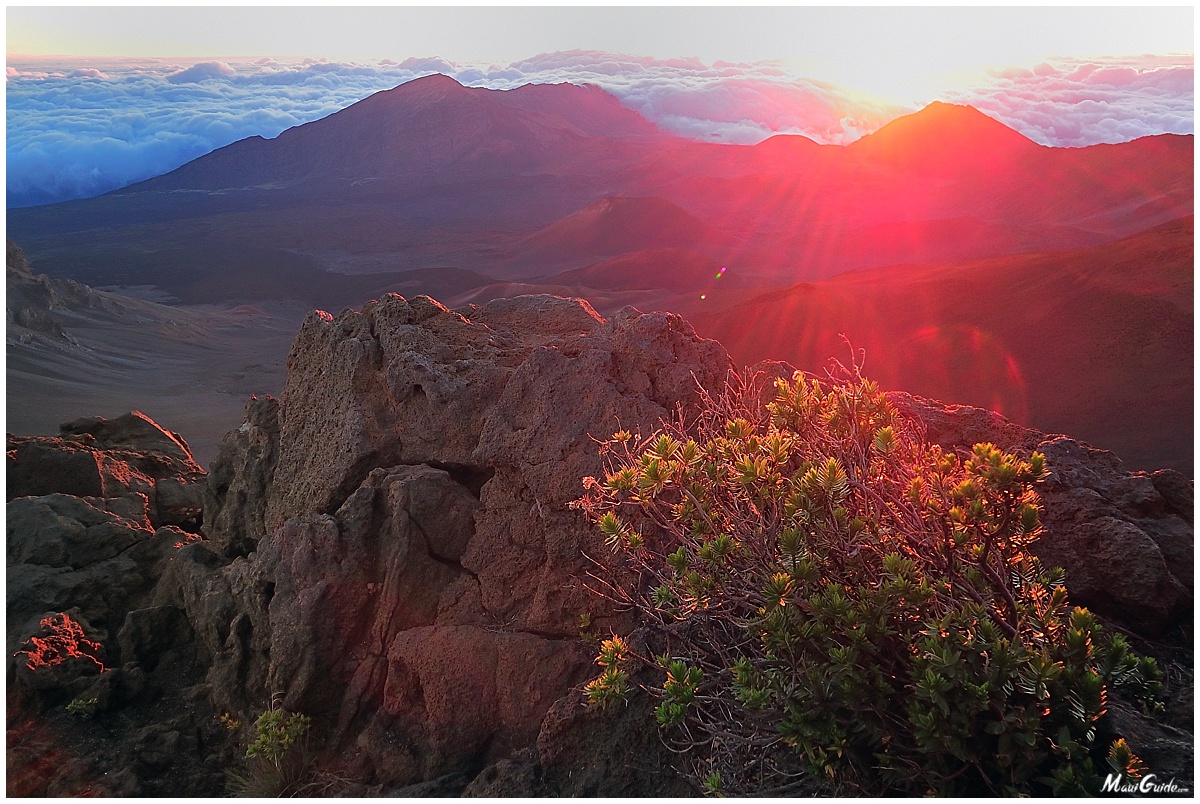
(388, 548)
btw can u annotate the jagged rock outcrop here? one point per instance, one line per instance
(93, 519)
(28, 302)
(417, 576)
(37, 306)
(129, 462)
(1125, 539)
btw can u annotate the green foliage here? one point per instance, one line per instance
(84, 707)
(612, 685)
(713, 786)
(839, 599)
(1122, 760)
(585, 633)
(276, 731)
(679, 691)
(277, 762)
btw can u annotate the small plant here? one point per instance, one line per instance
(230, 722)
(713, 786)
(612, 684)
(276, 732)
(833, 598)
(1122, 760)
(278, 765)
(585, 634)
(82, 707)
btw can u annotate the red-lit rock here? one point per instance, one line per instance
(127, 457)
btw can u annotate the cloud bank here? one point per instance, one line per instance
(82, 128)
(1072, 102)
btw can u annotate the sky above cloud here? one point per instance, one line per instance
(108, 113)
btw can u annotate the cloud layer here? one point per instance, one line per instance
(1072, 102)
(77, 129)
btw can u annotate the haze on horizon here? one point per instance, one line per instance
(99, 98)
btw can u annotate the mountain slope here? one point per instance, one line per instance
(433, 174)
(417, 131)
(1094, 342)
(617, 225)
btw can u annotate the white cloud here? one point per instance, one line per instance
(88, 72)
(84, 127)
(1076, 102)
(203, 71)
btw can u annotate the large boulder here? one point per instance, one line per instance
(410, 571)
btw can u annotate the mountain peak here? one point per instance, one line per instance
(440, 80)
(429, 87)
(943, 134)
(959, 118)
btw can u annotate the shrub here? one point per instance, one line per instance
(277, 764)
(832, 598)
(84, 707)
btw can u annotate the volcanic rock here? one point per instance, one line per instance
(239, 476)
(118, 460)
(64, 551)
(88, 535)
(416, 578)
(393, 552)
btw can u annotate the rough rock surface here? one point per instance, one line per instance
(89, 535)
(129, 462)
(240, 475)
(1125, 539)
(413, 576)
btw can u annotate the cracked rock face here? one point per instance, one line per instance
(411, 574)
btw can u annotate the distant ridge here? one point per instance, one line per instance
(433, 174)
(413, 132)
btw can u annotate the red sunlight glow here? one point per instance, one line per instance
(64, 640)
(966, 362)
(186, 540)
